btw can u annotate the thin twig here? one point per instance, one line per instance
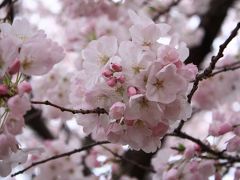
(208, 71)
(59, 156)
(130, 161)
(74, 111)
(225, 69)
(205, 148)
(166, 10)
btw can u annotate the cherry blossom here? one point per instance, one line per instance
(124, 87)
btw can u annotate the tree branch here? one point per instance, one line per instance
(59, 156)
(130, 161)
(208, 71)
(79, 111)
(206, 148)
(231, 67)
(35, 120)
(166, 10)
(211, 23)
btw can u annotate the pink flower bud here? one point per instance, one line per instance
(3, 89)
(24, 87)
(14, 68)
(107, 73)
(225, 128)
(116, 67)
(160, 129)
(112, 81)
(121, 79)
(178, 64)
(131, 91)
(197, 148)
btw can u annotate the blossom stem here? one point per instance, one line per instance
(60, 156)
(130, 161)
(74, 111)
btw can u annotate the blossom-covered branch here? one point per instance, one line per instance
(60, 156)
(208, 71)
(205, 148)
(166, 10)
(74, 111)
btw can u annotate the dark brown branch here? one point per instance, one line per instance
(206, 148)
(211, 23)
(35, 120)
(130, 161)
(4, 3)
(166, 10)
(59, 156)
(74, 111)
(225, 69)
(10, 11)
(208, 71)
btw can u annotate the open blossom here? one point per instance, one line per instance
(42, 53)
(19, 105)
(117, 110)
(8, 53)
(164, 84)
(98, 53)
(29, 46)
(21, 31)
(14, 124)
(8, 144)
(145, 32)
(140, 108)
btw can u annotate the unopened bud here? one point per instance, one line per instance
(116, 67)
(24, 87)
(3, 89)
(121, 79)
(107, 73)
(131, 91)
(14, 68)
(112, 82)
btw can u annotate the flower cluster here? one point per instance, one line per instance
(184, 167)
(141, 83)
(23, 51)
